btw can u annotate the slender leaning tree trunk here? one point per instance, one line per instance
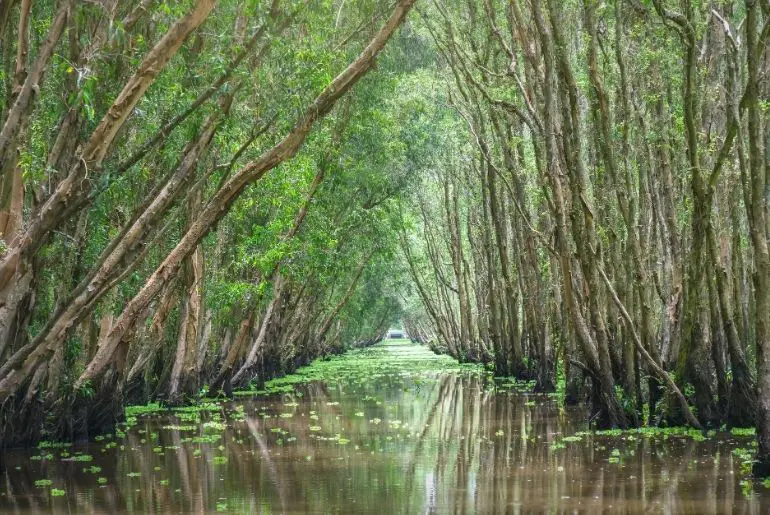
(224, 198)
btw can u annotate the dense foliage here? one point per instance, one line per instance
(608, 225)
(195, 196)
(148, 253)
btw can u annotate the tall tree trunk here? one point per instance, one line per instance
(223, 199)
(759, 228)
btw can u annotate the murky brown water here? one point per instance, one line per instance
(449, 444)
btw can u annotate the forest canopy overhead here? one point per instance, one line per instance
(200, 194)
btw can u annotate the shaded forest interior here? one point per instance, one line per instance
(199, 195)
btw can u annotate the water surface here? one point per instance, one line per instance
(392, 429)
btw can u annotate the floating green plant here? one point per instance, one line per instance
(82, 457)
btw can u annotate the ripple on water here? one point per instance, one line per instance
(389, 429)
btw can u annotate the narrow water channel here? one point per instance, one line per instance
(391, 429)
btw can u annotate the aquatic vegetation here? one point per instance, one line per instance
(53, 445)
(136, 410)
(747, 458)
(81, 457)
(214, 425)
(360, 366)
(210, 438)
(55, 492)
(331, 424)
(43, 482)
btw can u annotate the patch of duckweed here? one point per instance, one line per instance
(81, 457)
(632, 434)
(53, 445)
(41, 483)
(214, 425)
(395, 359)
(206, 405)
(513, 384)
(747, 458)
(136, 410)
(180, 428)
(747, 488)
(653, 432)
(55, 492)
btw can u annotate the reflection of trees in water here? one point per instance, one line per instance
(466, 450)
(467, 468)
